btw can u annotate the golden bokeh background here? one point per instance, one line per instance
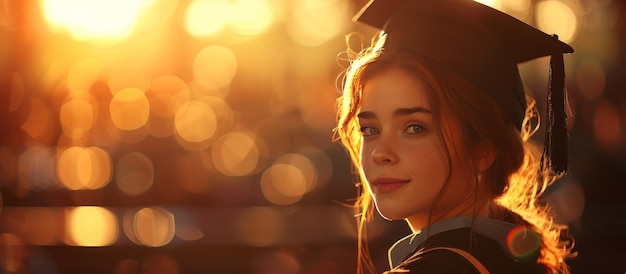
(195, 136)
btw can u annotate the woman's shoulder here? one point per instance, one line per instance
(452, 251)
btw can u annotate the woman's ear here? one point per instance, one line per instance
(484, 155)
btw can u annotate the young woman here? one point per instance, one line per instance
(435, 119)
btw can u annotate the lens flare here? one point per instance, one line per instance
(524, 243)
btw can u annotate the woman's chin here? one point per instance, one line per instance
(389, 216)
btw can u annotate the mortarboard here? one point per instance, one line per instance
(484, 46)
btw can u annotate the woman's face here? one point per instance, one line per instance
(403, 157)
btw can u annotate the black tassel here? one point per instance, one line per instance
(555, 149)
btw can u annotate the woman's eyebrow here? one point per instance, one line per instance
(366, 115)
(409, 111)
(397, 112)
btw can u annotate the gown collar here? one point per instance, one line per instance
(491, 228)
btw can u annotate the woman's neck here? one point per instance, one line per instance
(420, 221)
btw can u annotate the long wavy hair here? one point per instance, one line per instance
(515, 182)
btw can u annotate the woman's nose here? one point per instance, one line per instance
(384, 153)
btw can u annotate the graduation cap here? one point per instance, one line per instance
(484, 46)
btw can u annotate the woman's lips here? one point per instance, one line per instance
(386, 185)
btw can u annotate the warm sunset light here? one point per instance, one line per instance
(38, 119)
(556, 17)
(166, 94)
(304, 165)
(207, 17)
(84, 168)
(517, 5)
(129, 109)
(283, 184)
(290, 177)
(215, 66)
(251, 17)
(77, 117)
(83, 74)
(200, 136)
(91, 226)
(125, 75)
(491, 3)
(236, 154)
(96, 19)
(195, 122)
(315, 22)
(154, 226)
(245, 18)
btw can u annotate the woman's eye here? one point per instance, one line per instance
(415, 129)
(368, 130)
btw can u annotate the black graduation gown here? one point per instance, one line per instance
(488, 240)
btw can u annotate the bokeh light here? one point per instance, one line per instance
(223, 112)
(128, 226)
(290, 177)
(84, 168)
(567, 201)
(214, 66)
(304, 165)
(166, 94)
(134, 173)
(251, 17)
(77, 117)
(153, 226)
(129, 109)
(236, 153)
(97, 19)
(195, 122)
(516, 5)
(36, 168)
(91, 226)
(207, 126)
(188, 231)
(313, 23)
(283, 184)
(207, 17)
(556, 17)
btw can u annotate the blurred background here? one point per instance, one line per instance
(195, 136)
